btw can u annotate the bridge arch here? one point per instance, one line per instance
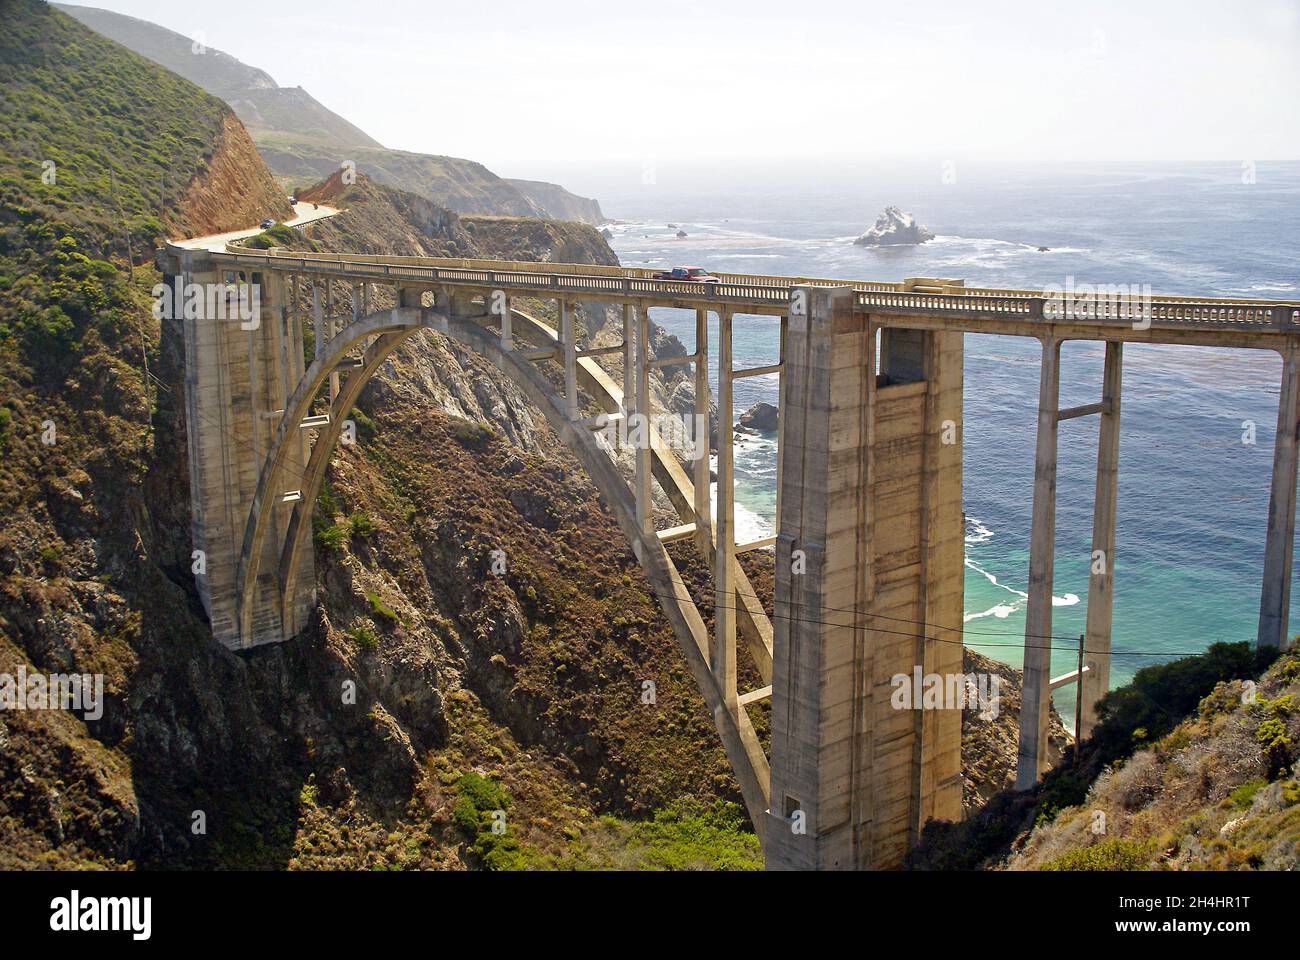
(390, 329)
(271, 475)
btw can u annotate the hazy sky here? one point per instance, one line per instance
(522, 85)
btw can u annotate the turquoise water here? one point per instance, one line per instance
(1192, 497)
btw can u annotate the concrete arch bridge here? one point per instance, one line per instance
(870, 539)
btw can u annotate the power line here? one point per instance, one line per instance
(923, 636)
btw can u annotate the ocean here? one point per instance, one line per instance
(1193, 497)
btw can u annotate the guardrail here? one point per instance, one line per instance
(910, 297)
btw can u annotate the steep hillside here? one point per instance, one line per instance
(1221, 791)
(261, 103)
(460, 185)
(304, 142)
(1150, 789)
(112, 145)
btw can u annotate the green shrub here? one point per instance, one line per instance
(465, 816)
(1116, 854)
(470, 434)
(478, 799)
(1244, 795)
(380, 609)
(278, 235)
(1291, 791)
(335, 536)
(326, 502)
(365, 638)
(501, 851)
(362, 525)
(365, 426)
(483, 793)
(1161, 695)
(691, 835)
(1271, 734)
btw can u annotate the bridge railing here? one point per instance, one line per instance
(873, 297)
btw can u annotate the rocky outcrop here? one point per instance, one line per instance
(990, 738)
(379, 219)
(894, 228)
(533, 238)
(760, 418)
(233, 188)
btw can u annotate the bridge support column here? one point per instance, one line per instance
(507, 323)
(861, 602)
(723, 652)
(1101, 579)
(700, 479)
(237, 372)
(1036, 694)
(629, 359)
(1279, 547)
(569, 345)
(641, 437)
(318, 318)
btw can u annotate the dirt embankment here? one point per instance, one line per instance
(233, 188)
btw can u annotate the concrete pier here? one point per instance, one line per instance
(1279, 545)
(1036, 694)
(869, 573)
(1101, 594)
(238, 372)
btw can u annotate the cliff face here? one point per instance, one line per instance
(379, 219)
(460, 185)
(560, 203)
(530, 238)
(232, 188)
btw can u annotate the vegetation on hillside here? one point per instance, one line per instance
(1136, 724)
(93, 136)
(1219, 791)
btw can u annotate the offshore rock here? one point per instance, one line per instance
(894, 228)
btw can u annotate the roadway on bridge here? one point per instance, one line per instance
(304, 213)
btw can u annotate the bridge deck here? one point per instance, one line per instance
(926, 304)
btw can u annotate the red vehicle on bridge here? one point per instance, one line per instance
(689, 274)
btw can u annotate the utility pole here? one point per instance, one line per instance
(1078, 703)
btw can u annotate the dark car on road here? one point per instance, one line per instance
(689, 274)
